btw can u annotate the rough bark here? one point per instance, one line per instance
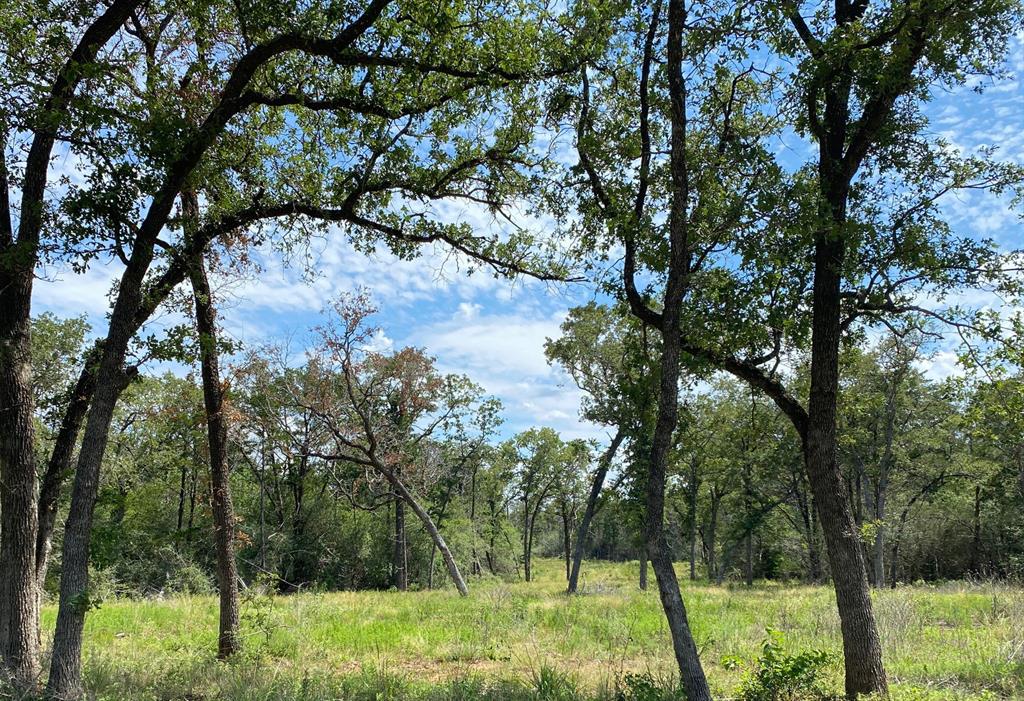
(19, 611)
(588, 513)
(19, 600)
(228, 639)
(861, 645)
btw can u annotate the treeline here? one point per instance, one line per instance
(930, 468)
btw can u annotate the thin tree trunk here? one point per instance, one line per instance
(474, 565)
(691, 518)
(643, 567)
(566, 542)
(59, 466)
(228, 638)
(711, 538)
(588, 513)
(435, 535)
(399, 561)
(691, 673)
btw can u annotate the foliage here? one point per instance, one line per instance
(780, 676)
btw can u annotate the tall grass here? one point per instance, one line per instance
(513, 640)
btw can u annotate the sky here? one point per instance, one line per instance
(494, 330)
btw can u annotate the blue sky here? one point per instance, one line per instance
(494, 330)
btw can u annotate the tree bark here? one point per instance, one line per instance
(228, 640)
(691, 517)
(691, 673)
(861, 645)
(566, 542)
(588, 513)
(19, 599)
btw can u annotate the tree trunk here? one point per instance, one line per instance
(691, 517)
(19, 516)
(566, 542)
(59, 466)
(228, 638)
(66, 661)
(435, 535)
(749, 564)
(643, 568)
(19, 598)
(474, 565)
(861, 645)
(711, 536)
(588, 513)
(526, 536)
(691, 673)
(399, 559)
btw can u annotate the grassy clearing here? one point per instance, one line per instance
(517, 640)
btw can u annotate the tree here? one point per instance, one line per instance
(696, 167)
(229, 641)
(381, 411)
(609, 357)
(225, 135)
(535, 460)
(803, 258)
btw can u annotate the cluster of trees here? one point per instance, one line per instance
(197, 131)
(328, 457)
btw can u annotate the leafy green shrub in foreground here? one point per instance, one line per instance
(780, 676)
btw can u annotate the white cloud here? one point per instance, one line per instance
(504, 353)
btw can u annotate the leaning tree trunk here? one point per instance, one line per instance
(861, 645)
(60, 463)
(19, 599)
(428, 524)
(228, 640)
(588, 514)
(66, 661)
(691, 673)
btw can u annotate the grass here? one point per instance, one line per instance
(513, 640)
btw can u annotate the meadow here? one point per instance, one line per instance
(517, 640)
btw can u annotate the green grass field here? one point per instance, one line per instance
(530, 641)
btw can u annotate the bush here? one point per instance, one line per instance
(780, 676)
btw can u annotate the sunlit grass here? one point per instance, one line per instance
(956, 641)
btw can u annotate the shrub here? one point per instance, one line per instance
(780, 676)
